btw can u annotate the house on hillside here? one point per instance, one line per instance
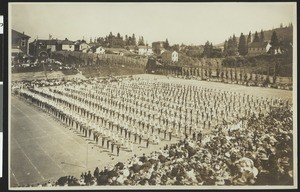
(84, 46)
(158, 47)
(81, 45)
(67, 45)
(19, 43)
(96, 49)
(117, 51)
(276, 50)
(145, 50)
(282, 48)
(169, 57)
(100, 50)
(174, 56)
(43, 47)
(258, 48)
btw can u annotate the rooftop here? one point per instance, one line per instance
(258, 44)
(18, 34)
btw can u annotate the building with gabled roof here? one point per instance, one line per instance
(145, 50)
(19, 43)
(169, 56)
(258, 48)
(67, 45)
(43, 47)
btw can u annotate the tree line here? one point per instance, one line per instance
(118, 41)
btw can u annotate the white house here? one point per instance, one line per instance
(67, 45)
(258, 48)
(174, 56)
(85, 50)
(51, 47)
(100, 50)
(84, 46)
(145, 50)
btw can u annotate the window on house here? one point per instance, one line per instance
(70, 46)
(23, 43)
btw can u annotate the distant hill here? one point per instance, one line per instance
(283, 33)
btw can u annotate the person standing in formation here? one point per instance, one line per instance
(180, 110)
(118, 150)
(140, 139)
(112, 146)
(147, 142)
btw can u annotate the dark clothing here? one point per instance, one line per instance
(107, 144)
(103, 139)
(112, 147)
(118, 150)
(135, 137)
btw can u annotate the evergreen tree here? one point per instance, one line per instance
(211, 49)
(256, 37)
(110, 39)
(274, 40)
(133, 40)
(166, 44)
(234, 45)
(248, 41)
(129, 41)
(262, 36)
(121, 42)
(229, 47)
(141, 41)
(249, 38)
(225, 48)
(207, 49)
(242, 48)
(126, 40)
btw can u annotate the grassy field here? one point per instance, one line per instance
(114, 70)
(41, 75)
(43, 149)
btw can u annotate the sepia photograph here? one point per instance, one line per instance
(152, 96)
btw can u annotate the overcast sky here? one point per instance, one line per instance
(188, 23)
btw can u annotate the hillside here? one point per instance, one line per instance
(284, 33)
